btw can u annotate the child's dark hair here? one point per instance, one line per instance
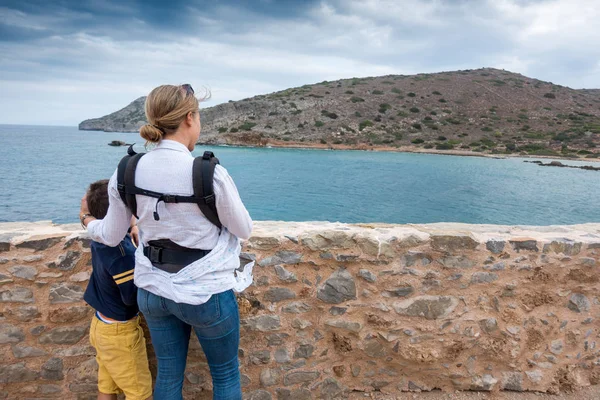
(97, 198)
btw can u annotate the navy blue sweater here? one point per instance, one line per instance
(111, 290)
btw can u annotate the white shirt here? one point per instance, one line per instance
(168, 169)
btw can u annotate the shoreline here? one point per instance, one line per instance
(279, 144)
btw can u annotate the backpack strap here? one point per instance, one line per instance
(129, 182)
(121, 172)
(202, 176)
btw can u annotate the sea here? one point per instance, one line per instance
(45, 171)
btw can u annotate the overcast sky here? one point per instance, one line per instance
(65, 61)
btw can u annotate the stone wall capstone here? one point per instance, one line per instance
(338, 308)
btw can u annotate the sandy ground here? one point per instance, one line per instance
(589, 393)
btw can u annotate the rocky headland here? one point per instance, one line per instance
(472, 112)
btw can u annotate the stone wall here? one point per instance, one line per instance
(339, 308)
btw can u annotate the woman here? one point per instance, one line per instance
(197, 294)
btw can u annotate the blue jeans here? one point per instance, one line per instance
(217, 326)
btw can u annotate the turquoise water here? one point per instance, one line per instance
(45, 171)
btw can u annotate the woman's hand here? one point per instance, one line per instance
(84, 206)
(135, 235)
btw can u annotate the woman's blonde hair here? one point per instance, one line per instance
(166, 108)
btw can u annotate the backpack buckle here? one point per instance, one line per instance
(155, 254)
(210, 199)
(169, 198)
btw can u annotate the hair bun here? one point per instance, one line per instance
(151, 133)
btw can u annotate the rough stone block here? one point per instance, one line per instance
(24, 313)
(524, 244)
(512, 381)
(429, 307)
(69, 314)
(277, 294)
(24, 272)
(453, 243)
(263, 323)
(61, 293)
(39, 244)
(338, 288)
(64, 335)
(263, 242)
(495, 246)
(52, 370)
(16, 294)
(270, 377)
(20, 351)
(367, 275)
(285, 275)
(17, 373)
(345, 325)
(10, 333)
(295, 377)
(564, 246)
(297, 394)
(578, 303)
(457, 262)
(484, 277)
(403, 291)
(297, 307)
(66, 262)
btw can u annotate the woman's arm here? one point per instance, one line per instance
(232, 212)
(113, 227)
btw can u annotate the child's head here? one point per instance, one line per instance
(97, 198)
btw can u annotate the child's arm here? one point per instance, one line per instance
(122, 273)
(111, 229)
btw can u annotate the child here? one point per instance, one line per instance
(115, 331)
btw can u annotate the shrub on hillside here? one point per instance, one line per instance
(384, 107)
(356, 99)
(411, 94)
(364, 124)
(444, 146)
(319, 124)
(377, 92)
(414, 110)
(247, 126)
(550, 95)
(222, 129)
(328, 114)
(417, 141)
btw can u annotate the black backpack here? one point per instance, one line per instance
(202, 177)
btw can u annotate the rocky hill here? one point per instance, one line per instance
(483, 111)
(128, 119)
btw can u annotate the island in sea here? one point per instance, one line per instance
(472, 112)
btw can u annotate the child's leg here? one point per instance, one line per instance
(107, 388)
(126, 360)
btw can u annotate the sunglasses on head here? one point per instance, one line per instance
(188, 89)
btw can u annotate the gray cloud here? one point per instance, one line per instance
(63, 64)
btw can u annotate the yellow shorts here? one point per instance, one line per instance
(122, 359)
